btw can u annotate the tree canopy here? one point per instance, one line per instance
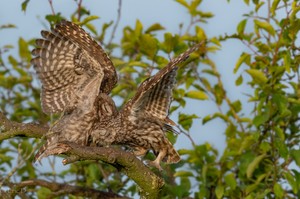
(262, 156)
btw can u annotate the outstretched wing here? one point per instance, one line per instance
(154, 95)
(67, 59)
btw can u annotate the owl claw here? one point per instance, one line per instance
(155, 164)
(140, 151)
(159, 158)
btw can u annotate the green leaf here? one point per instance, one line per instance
(279, 192)
(260, 119)
(291, 180)
(239, 80)
(170, 42)
(105, 26)
(265, 25)
(148, 45)
(183, 174)
(138, 28)
(274, 6)
(7, 26)
(253, 165)
(200, 95)
(91, 28)
(219, 191)
(257, 76)
(88, 19)
(154, 27)
(200, 33)
(24, 5)
(23, 50)
(296, 156)
(282, 148)
(244, 58)
(237, 106)
(230, 180)
(241, 26)
(53, 19)
(246, 2)
(184, 3)
(186, 121)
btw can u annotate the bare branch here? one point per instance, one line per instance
(126, 162)
(117, 23)
(51, 6)
(79, 10)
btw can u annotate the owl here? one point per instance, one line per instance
(143, 121)
(77, 77)
(73, 70)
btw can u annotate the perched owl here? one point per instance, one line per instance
(77, 77)
(73, 70)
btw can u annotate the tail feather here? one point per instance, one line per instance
(51, 147)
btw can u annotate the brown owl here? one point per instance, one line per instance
(143, 121)
(73, 70)
(77, 77)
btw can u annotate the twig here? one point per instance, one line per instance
(78, 10)
(116, 24)
(51, 6)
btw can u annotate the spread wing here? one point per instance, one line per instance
(68, 59)
(154, 95)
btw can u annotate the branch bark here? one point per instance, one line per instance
(126, 162)
(149, 183)
(10, 129)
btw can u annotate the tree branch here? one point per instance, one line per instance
(126, 162)
(60, 189)
(10, 129)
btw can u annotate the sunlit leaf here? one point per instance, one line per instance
(186, 120)
(154, 27)
(296, 156)
(184, 3)
(200, 95)
(266, 26)
(274, 6)
(257, 76)
(279, 192)
(241, 26)
(239, 80)
(219, 191)
(244, 58)
(88, 19)
(292, 182)
(183, 174)
(254, 164)
(230, 180)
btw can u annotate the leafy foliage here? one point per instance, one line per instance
(261, 158)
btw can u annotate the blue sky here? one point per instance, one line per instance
(169, 14)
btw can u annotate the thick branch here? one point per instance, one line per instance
(9, 129)
(126, 162)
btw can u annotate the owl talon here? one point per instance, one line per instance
(140, 151)
(155, 164)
